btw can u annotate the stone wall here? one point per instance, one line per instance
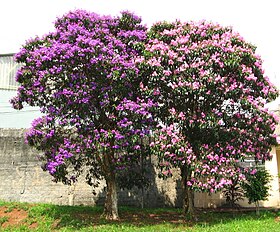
(22, 179)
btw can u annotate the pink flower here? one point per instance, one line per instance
(220, 122)
(182, 116)
(156, 92)
(253, 172)
(153, 62)
(137, 147)
(195, 85)
(182, 149)
(189, 183)
(172, 111)
(167, 72)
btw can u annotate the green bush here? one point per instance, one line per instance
(233, 193)
(256, 187)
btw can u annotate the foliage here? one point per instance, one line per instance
(256, 187)
(83, 78)
(211, 90)
(97, 79)
(134, 176)
(233, 193)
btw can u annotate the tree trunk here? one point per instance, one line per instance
(188, 196)
(111, 201)
(257, 208)
(188, 202)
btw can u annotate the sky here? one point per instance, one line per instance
(256, 20)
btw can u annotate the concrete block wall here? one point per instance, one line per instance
(22, 179)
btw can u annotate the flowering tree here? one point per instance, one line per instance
(211, 91)
(85, 81)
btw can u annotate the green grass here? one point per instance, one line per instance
(3, 219)
(47, 217)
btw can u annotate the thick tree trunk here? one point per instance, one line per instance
(188, 202)
(188, 196)
(111, 201)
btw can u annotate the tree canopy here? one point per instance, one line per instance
(211, 90)
(84, 79)
(102, 82)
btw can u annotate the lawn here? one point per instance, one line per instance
(47, 217)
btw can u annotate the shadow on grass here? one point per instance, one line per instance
(66, 216)
(210, 219)
(46, 217)
(79, 217)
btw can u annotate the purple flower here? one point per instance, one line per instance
(137, 147)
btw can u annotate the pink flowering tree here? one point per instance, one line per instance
(211, 90)
(84, 79)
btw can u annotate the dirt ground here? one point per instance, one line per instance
(14, 216)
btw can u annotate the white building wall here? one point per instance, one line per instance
(11, 118)
(8, 69)
(272, 167)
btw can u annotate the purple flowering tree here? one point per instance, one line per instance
(84, 79)
(211, 91)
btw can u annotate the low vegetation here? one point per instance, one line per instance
(47, 217)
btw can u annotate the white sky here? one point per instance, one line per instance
(256, 20)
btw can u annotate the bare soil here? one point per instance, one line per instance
(15, 217)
